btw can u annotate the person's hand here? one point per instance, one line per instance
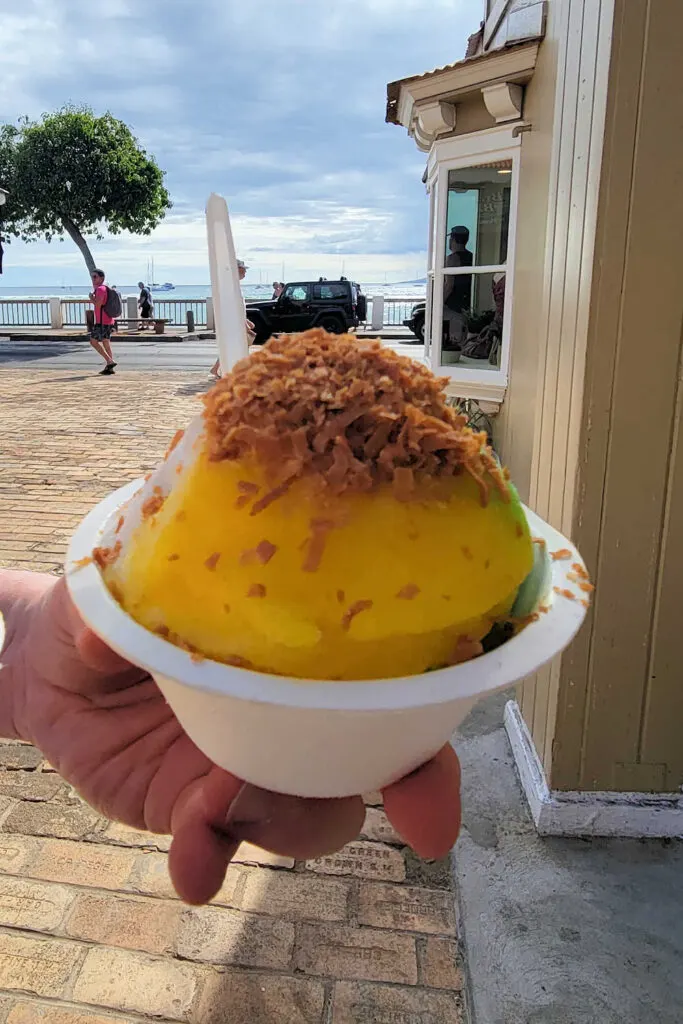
(105, 726)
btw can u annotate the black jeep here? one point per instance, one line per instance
(337, 306)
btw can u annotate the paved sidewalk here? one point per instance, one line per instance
(90, 929)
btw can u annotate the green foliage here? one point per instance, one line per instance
(72, 169)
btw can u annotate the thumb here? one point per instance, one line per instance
(66, 651)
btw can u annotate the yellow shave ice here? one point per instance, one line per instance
(337, 520)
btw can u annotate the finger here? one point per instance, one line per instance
(77, 656)
(200, 854)
(219, 812)
(425, 806)
(293, 826)
(98, 655)
(198, 860)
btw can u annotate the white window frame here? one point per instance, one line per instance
(496, 144)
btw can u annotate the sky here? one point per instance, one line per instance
(277, 106)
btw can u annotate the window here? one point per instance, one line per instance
(475, 256)
(473, 189)
(330, 290)
(296, 292)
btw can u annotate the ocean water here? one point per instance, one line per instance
(408, 289)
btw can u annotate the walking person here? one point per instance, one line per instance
(107, 308)
(458, 288)
(145, 305)
(115, 325)
(215, 371)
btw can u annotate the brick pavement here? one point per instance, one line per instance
(90, 929)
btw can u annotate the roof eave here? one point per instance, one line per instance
(514, 63)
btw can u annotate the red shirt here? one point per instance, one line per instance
(100, 316)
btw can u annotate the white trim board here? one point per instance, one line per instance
(628, 815)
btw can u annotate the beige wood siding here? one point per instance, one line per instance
(620, 701)
(541, 419)
(514, 427)
(607, 466)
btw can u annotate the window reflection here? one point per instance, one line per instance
(479, 200)
(457, 290)
(477, 226)
(472, 336)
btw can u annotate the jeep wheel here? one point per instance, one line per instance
(419, 329)
(331, 324)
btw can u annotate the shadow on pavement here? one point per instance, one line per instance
(193, 389)
(62, 380)
(25, 352)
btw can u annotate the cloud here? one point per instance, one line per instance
(279, 107)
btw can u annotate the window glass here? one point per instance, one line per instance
(478, 214)
(473, 320)
(330, 290)
(296, 292)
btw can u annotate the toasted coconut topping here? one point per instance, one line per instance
(352, 413)
(256, 590)
(81, 563)
(315, 545)
(152, 505)
(356, 608)
(465, 650)
(103, 556)
(264, 551)
(260, 555)
(561, 556)
(175, 441)
(408, 592)
(212, 561)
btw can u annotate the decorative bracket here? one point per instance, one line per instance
(503, 101)
(436, 117)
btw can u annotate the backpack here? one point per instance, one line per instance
(112, 306)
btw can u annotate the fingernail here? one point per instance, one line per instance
(251, 806)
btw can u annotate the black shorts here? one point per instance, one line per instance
(145, 311)
(101, 332)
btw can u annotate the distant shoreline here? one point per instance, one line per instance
(195, 292)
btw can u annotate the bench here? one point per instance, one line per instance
(159, 322)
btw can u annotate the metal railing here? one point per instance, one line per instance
(37, 312)
(397, 308)
(25, 313)
(176, 310)
(73, 311)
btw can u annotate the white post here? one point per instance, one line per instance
(210, 318)
(131, 309)
(377, 312)
(56, 318)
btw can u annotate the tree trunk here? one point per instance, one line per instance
(80, 241)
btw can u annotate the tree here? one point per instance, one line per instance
(72, 173)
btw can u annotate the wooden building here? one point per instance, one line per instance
(557, 142)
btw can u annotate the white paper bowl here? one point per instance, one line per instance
(312, 738)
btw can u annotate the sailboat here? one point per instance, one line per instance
(166, 287)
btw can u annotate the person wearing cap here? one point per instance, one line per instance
(215, 371)
(457, 288)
